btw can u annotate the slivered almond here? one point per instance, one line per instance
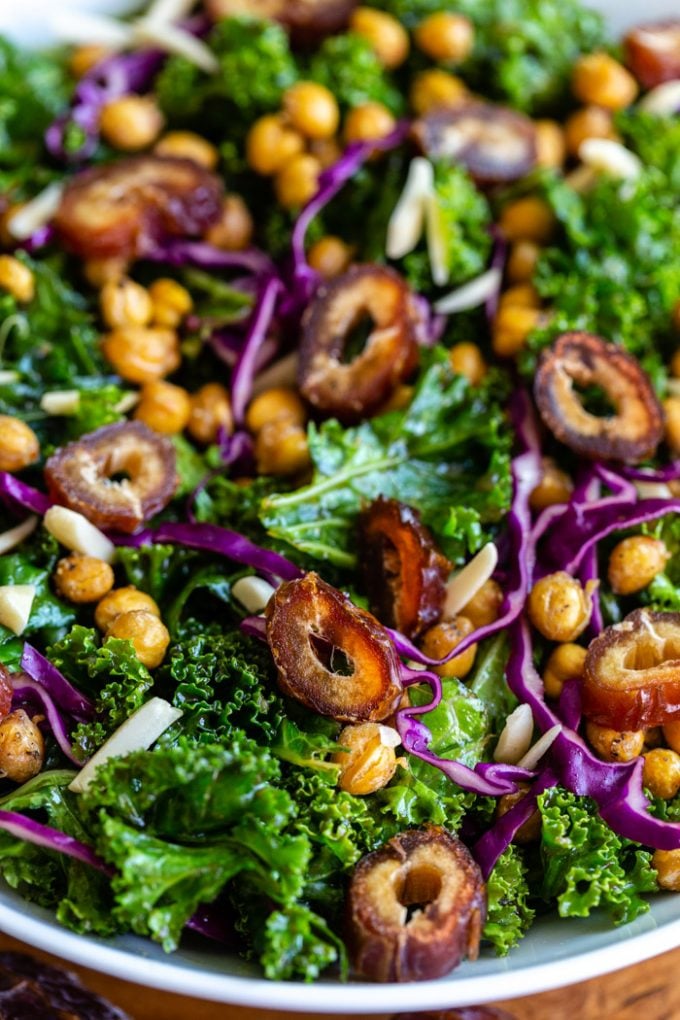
(471, 294)
(36, 213)
(407, 221)
(663, 101)
(653, 490)
(515, 738)
(65, 403)
(252, 592)
(11, 538)
(435, 230)
(16, 602)
(78, 534)
(464, 585)
(531, 759)
(607, 156)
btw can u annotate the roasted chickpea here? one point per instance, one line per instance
(559, 607)
(83, 58)
(22, 748)
(523, 294)
(666, 863)
(17, 279)
(531, 830)
(99, 272)
(671, 734)
(170, 302)
(19, 444)
(311, 109)
(671, 407)
(554, 487)
(512, 325)
(164, 407)
(528, 219)
(83, 578)
(368, 122)
(654, 737)
(398, 399)
(329, 256)
(131, 122)
(281, 448)
(598, 78)
(369, 761)
(188, 145)
(271, 143)
(551, 148)
(297, 181)
(434, 88)
(566, 662)
(635, 562)
(445, 37)
(522, 260)
(149, 636)
(140, 355)
(466, 359)
(386, 36)
(441, 639)
(615, 745)
(123, 600)
(588, 122)
(280, 403)
(327, 150)
(661, 773)
(210, 412)
(125, 303)
(234, 229)
(485, 605)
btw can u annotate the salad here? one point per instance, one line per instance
(339, 477)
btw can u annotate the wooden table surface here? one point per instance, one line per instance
(649, 989)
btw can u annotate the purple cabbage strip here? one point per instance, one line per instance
(22, 827)
(618, 485)
(247, 364)
(40, 238)
(670, 473)
(179, 253)
(498, 838)
(236, 450)
(255, 626)
(40, 669)
(23, 495)
(27, 690)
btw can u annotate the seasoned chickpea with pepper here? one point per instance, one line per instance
(661, 772)
(123, 600)
(280, 403)
(83, 579)
(312, 109)
(554, 487)
(131, 123)
(565, 663)
(16, 279)
(559, 607)
(170, 302)
(140, 354)
(368, 760)
(149, 636)
(164, 407)
(210, 412)
(281, 448)
(330, 256)
(271, 143)
(387, 37)
(125, 303)
(188, 145)
(485, 605)
(441, 640)
(635, 562)
(19, 444)
(598, 78)
(615, 745)
(530, 832)
(667, 866)
(445, 37)
(22, 748)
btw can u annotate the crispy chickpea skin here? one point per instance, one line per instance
(297, 181)
(511, 327)
(367, 762)
(164, 407)
(466, 359)
(149, 636)
(123, 600)
(368, 122)
(188, 145)
(125, 303)
(666, 863)
(19, 444)
(615, 745)
(271, 143)
(559, 607)
(566, 662)
(170, 302)
(555, 486)
(441, 639)
(22, 748)
(330, 256)
(635, 562)
(588, 122)
(312, 109)
(528, 219)
(434, 88)
(386, 36)
(17, 279)
(445, 37)
(280, 403)
(234, 229)
(140, 354)
(485, 605)
(210, 412)
(598, 78)
(531, 830)
(281, 448)
(131, 123)
(661, 773)
(83, 578)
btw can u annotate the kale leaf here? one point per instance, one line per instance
(347, 65)
(509, 915)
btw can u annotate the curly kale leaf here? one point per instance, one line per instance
(50, 617)
(347, 65)
(509, 915)
(656, 143)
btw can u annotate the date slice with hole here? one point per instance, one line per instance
(652, 52)
(116, 210)
(307, 21)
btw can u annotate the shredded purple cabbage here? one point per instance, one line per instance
(670, 473)
(45, 836)
(498, 838)
(40, 669)
(247, 364)
(20, 494)
(174, 252)
(255, 626)
(27, 690)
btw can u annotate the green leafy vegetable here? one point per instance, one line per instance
(347, 65)
(509, 915)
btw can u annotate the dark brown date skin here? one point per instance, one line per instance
(307, 21)
(80, 475)
(116, 210)
(404, 572)
(652, 52)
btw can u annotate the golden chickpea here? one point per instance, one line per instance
(19, 444)
(131, 122)
(140, 354)
(511, 327)
(528, 219)
(551, 149)
(330, 256)
(149, 636)
(523, 294)
(661, 772)
(298, 181)
(485, 605)
(210, 412)
(164, 407)
(598, 78)
(123, 600)
(170, 302)
(271, 143)
(7, 213)
(83, 578)
(234, 229)
(671, 407)
(83, 58)
(666, 863)
(188, 145)
(531, 830)
(386, 36)
(522, 260)
(466, 359)
(588, 122)
(22, 748)
(566, 662)
(615, 745)
(99, 272)
(559, 607)
(441, 639)
(17, 279)
(399, 398)
(554, 487)
(368, 763)
(445, 37)
(671, 733)
(280, 403)
(312, 109)
(281, 448)
(125, 303)
(434, 88)
(635, 562)
(368, 122)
